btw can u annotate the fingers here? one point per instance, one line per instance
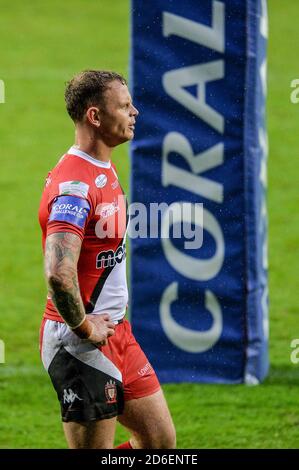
(103, 329)
(110, 332)
(105, 316)
(100, 318)
(106, 324)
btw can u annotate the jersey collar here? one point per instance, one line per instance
(79, 153)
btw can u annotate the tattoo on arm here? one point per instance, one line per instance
(61, 257)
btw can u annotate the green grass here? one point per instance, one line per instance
(43, 44)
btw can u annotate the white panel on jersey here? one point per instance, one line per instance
(114, 296)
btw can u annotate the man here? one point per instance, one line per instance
(86, 345)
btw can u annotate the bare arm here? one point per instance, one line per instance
(61, 258)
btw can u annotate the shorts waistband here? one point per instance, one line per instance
(116, 322)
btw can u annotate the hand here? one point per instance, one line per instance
(102, 329)
(96, 329)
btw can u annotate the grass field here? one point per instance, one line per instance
(42, 45)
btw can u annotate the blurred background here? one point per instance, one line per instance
(42, 45)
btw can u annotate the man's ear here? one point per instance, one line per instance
(93, 116)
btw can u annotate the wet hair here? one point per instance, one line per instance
(87, 89)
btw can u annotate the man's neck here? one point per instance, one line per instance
(94, 147)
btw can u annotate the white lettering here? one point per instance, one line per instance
(294, 95)
(2, 352)
(204, 161)
(264, 20)
(138, 223)
(175, 81)
(295, 353)
(184, 338)
(188, 214)
(2, 92)
(188, 266)
(212, 37)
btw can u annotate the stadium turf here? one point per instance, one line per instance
(42, 45)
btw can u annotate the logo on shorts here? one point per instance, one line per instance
(101, 181)
(147, 368)
(69, 396)
(110, 392)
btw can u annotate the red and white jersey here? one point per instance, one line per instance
(82, 195)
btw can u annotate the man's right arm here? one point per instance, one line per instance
(61, 258)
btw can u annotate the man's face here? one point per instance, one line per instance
(118, 115)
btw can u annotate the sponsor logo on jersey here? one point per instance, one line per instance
(101, 181)
(74, 188)
(108, 259)
(108, 209)
(110, 392)
(70, 209)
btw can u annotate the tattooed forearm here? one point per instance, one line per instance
(61, 258)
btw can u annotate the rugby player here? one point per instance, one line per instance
(97, 368)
